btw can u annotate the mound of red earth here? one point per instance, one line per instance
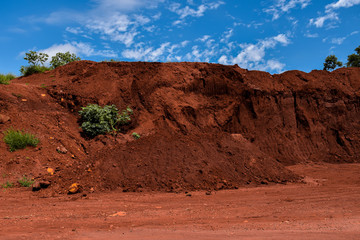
(202, 126)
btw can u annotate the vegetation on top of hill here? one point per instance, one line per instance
(5, 78)
(331, 61)
(36, 62)
(354, 59)
(61, 59)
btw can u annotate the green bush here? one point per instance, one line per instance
(25, 182)
(8, 184)
(5, 78)
(36, 63)
(19, 140)
(61, 59)
(331, 62)
(98, 120)
(354, 59)
(136, 135)
(29, 70)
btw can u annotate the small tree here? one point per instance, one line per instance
(61, 59)
(354, 59)
(36, 63)
(35, 59)
(331, 62)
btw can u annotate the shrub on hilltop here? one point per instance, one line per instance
(331, 62)
(36, 63)
(61, 59)
(5, 78)
(354, 59)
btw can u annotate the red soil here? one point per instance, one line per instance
(326, 207)
(202, 126)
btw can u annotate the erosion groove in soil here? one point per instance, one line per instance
(202, 126)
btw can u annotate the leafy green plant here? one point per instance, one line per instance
(61, 59)
(98, 120)
(25, 182)
(43, 86)
(5, 78)
(19, 139)
(35, 58)
(136, 135)
(331, 62)
(36, 62)
(354, 59)
(8, 184)
(29, 70)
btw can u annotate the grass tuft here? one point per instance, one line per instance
(29, 70)
(8, 184)
(19, 139)
(6, 78)
(25, 182)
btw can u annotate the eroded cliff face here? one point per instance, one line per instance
(202, 126)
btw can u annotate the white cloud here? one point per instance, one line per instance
(330, 14)
(284, 6)
(252, 56)
(338, 41)
(227, 35)
(342, 3)
(319, 22)
(76, 30)
(147, 53)
(79, 48)
(188, 11)
(311, 35)
(125, 5)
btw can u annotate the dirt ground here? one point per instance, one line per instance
(325, 206)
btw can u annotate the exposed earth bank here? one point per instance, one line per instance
(202, 126)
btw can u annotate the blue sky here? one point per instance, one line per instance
(273, 35)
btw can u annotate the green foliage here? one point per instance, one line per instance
(8, 184)
(98, 120)
(34, 58)
(19, 139)
(5, 78)
(124, 117)
(25, 182)
(354, 59)
(331, 62)
(61, 59)
(136, 135)
(29, 70)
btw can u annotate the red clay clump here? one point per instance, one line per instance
(201, 126)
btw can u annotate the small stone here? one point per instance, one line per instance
(61, 149)
(4, 118)
(36, 186)
(188, 194)
(208, 193)
(74, 188)
(44, 184)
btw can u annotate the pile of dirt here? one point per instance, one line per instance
(202, 126)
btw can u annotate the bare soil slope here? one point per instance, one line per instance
(202, 126)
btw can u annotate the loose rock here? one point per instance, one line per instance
(4, 119)
(61, 149)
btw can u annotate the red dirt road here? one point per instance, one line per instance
(325, 207)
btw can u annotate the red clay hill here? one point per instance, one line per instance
(202, 126)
